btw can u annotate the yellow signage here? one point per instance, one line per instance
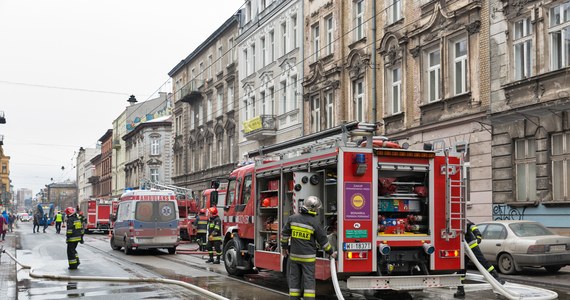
(252, 124)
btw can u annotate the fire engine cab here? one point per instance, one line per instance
(394, 215)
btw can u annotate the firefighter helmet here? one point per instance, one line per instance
(312, 204)
(266, 202)
(203, 211)
(69, 211)
(213, 211)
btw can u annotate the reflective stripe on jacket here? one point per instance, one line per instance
(201, 224)
(74, 231)
(215, 228)
(305, 232)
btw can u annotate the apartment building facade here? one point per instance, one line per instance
(530, 104)
(270, 52)
(85, 170)
(205, 112)
(102, 177)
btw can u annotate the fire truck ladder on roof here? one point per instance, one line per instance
(145, 183)
(454, 193)
(337, 133)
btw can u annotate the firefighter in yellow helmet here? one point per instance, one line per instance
(74, 236)
(214, 236)
(305, 232)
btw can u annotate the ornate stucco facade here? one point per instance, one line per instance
(206, 111)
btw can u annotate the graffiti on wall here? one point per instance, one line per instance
(131, 124)
(506, 212)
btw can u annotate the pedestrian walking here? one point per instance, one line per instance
(201, 224)
(3, 227)
(58, 221)
(299, 241)
(6, 217)
(74, 236)
(11, 220)
(45, 222)
(215, 236)
(474, 237)
(37, 219)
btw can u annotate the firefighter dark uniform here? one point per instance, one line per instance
(201, 224)
(74, 235)
(215, 236)
(473, 237)
(304, 231)
(58, 221)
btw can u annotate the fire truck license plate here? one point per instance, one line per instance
(357, 246)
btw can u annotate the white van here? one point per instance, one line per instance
(146, 219)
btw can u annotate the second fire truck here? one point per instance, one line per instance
(394, 215)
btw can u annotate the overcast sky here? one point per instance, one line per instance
(67, 68)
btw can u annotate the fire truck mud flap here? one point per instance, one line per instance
(404, 283)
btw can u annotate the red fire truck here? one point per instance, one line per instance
(205, 202)
(394, 215)
(97, 212)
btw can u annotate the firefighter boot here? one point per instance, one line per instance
(211, 260)
(460, 294)
(217, 262)
(495, 274)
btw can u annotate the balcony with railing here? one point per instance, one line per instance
(259, 127)
(190, 91)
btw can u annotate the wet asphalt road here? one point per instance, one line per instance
(46, 252)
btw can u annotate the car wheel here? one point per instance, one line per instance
(553, 269)
(113, 244)
(506, 264)
(128, 249)
(172, 250)
(230, 258)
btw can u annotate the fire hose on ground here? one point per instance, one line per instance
(118, 279)
(511, 291)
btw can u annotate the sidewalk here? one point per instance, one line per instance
(8, 284)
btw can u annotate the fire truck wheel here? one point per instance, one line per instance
(506, 264)
(172, 250)
(230, 258)
(113, 244)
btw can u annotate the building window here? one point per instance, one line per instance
(154, 175)
(293, 84)
(460, 66)
(330, 34)
(283, 97)
(209, 110)
(230, 148)
(231, 52)
(316, 41)
(315, 114)
(155, 146)
(559, 31)
(220, 152)
(201, 70)
(358, 100)
(330, 109)
(262, 54)
(246, 62)
(271, 46)
(394, 10)
(396, 84)
(359, 20)
(434, 76)
(253, 69)
(271, 99)
(525, 169)
(178, 125)
(220, 103)
(200, 114)
(220, 55)
(560, 171)
(263, 102)
(294, 35)
(210, 66)
(284, 38)
(523, 48)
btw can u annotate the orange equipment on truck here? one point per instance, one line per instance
(97, 214)
(394, 215)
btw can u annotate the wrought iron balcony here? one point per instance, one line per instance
(191, 91)
(93, 179)
(259, 127)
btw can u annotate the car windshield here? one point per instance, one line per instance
(529, 229)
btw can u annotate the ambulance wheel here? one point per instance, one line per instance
(172, 250)
(506, 264)
(113, 244)
(128, 249)
(230, 258)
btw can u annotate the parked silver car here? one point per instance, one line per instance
(512, 245)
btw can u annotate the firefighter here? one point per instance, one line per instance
(74, 235)
(473, 237)
(215, 236)
(304, 231)
(201, 224)
(58, 221)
